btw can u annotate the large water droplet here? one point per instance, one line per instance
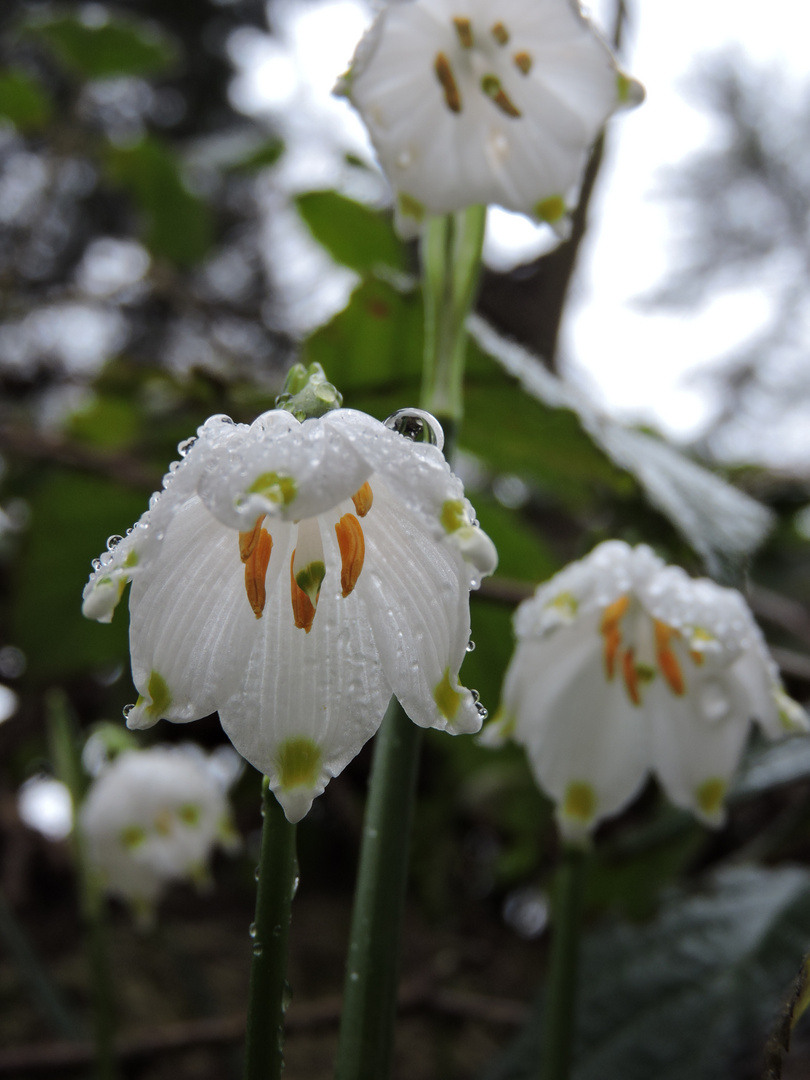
(470, 646)
(184, 446)
(113, 541)
(483, 711)
(127, 709)
(475, 696)
(417, 425)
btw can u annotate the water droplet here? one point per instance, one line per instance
(354, 976)
(483, 711)
(113, 541)
(471, 646)
(714, 702)
(226, 419)
(252, 930)
(96, 564)
(127, 709)
(257, 873)
(294, 888)
(184, 446)
(475, 696)
(404, 158)
(258, 948)
(417, 425)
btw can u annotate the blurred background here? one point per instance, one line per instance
(184, 211)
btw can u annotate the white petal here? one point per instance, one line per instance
(414, 591)
(578, 727)
(326, 687)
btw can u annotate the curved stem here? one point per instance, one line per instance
(269, 992)
(372, 974)
(561, 984)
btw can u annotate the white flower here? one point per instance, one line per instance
(154, 816)
(469, 101)
(625, 666)
(292, 576)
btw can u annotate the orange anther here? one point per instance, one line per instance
(303, 608)
(352, 546)
(631, 676)
(362, 499)
(248, 540)
(611, 618)
(444, 73)
(256, 562)
(667, 660)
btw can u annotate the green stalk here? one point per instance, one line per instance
(561, 984)
(66, 757)
(451, 260)
(269, 991)
(370, 995)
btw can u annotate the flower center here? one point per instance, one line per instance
(308, 563)
(480, 52)
(621, 656)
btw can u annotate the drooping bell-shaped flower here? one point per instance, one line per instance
(292, 576)
(625, 667)
(474, 102)
(152, 817)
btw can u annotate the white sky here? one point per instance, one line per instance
(639, 364)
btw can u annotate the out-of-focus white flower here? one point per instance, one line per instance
(292, 576)
(469, 102)
(625, 666)
(152, 817)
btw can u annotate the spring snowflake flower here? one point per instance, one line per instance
(471, 102)
(625, 666)
(152, 817)
(292, 576)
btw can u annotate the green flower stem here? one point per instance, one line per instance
(372, 974)
(451, 260)
(561, 984)
(66, 757)
(264, 1050)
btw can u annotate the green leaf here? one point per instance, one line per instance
(23, 101)
(71, 517)
(688, 994)
(106, 47)
(261, 156)
(353, 234)
(111, 422)
(373, 348)
(178, 225)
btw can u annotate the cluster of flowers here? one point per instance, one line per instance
(293, 574)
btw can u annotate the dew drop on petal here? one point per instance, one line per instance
(258, 949)
(417, 425)
(184, 446)
(127, 710)
(96, 564)
(714, 702)
(113, 541)
(483, 711)
(470, 646)
(252, 929)
(475, 696)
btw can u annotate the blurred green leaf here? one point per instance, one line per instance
(23, 101)
(689, 994)
(259, 157)
(354, 235)
(71, 517)
(373, 348)
(522, 551)
(178, 225)
(106, 421)
(106, 47)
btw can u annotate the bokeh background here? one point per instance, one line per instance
(185, 211)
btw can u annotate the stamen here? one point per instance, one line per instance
(258, 543)
(523, 61)
(491, 85)
(611, 618)
(444, 73)
(631, 676)
(362, 499)
(352, 546)
(667, 660)
(303, 608)
(500, 33)
(464, 30)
